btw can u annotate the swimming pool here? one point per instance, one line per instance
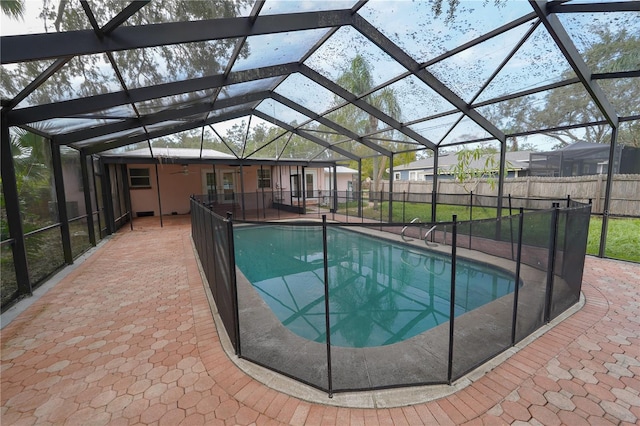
(380, 292)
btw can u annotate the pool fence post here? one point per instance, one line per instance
(326, 302)
(390, 214)
(511, 224)
(264, 207)
(381, 198)
(244, 207)
(335, 186)
(257, 205)
(452, 301)
(470, 217)
(553, 235)
(433, 205)
(159, 200)
(333, 207)
(234, 284)
(516, 290)
(404, 201)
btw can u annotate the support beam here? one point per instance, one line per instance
(570, 52)
(109, 219)
(36, 47)
(330, 124)
(88, 205)
(12, 209)
(97, 196)
(365, 106)
(614, 6)
(165, 115)
(61, 201)
(158, 193)
(390, 218)
(37, 82)
(501, 175)
(127, 193)
(360, 188)
(122, 17)
(306, 135)
(60, 62)
(607, 193)
(335, 192)
(104, 146)
(380, 40)
(109, 100)
(434, 187)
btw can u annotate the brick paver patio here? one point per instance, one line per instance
(128, 338)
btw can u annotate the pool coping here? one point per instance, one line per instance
(381, 398)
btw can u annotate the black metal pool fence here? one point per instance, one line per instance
(380, 206)
(544, 250)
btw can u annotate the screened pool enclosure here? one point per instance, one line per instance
(104, 100)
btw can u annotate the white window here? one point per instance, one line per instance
(139, 178)
(413, 175)
(396, 175)
(264, 178)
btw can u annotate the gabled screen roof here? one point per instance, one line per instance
(330, 80)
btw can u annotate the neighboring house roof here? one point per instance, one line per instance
(517, 160)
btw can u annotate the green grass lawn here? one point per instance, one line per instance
(623, 238)
(623, 235)
(444, 212)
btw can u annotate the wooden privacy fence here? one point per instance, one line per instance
(625, 190)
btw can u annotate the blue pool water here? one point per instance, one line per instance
(380, 292)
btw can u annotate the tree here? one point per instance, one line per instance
(357, 78)
(476, 164)
(32, 163)
(13, 8)
(92, 74)
(571, 104)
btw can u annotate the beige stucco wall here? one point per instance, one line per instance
(176, 187)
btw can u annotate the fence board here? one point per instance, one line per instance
(625, 190)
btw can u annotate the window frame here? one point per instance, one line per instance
(264, 182)
(143, 180)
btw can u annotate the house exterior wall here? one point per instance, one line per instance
(343, 181)
(176, 187)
